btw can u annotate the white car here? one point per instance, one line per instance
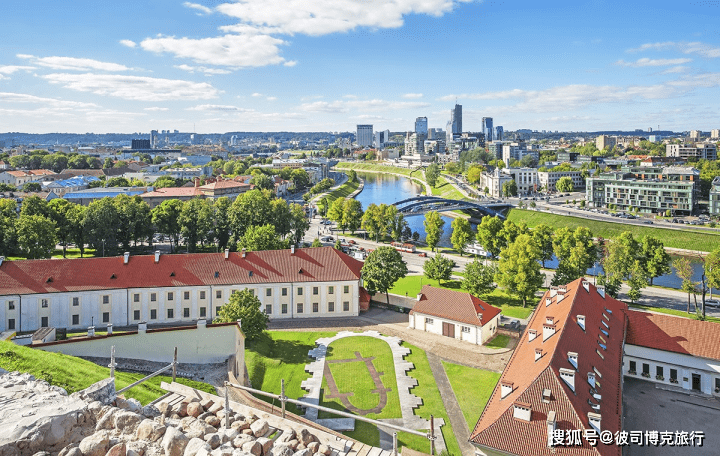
(712, 303)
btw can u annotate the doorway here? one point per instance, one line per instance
(449, 330)
(696, 382)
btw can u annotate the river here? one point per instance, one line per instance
(389, 189)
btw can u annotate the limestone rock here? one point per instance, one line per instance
(206, 403)
(240, 425)
(287, 435)
(213, 440)
(102, 391)
(239, 441)
(149, 430)
(127, 421)
(313, 446)
(281, 450)
(216, 408)
(304, 452)
(259, 428)
(324, 449)
(74, 451)
(200, 429)
(222, 451)
(265, 444)
(174, 442)
(95, 445)
(117, 450)
(253, 448)
(248, 432)
(164, 408)
(228, 434)
(107, 421)
(138, 448)
(150, 411)
(63, 452)
(181, 409)
(212, 420)
(306, 437)
(194, 445)
(194, 409)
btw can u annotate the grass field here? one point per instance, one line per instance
(472, 388)
(499, 341)
(69, 253)
(681, 239)
(341, 192)
(74, 374)
(445, 189)
(510, 305)
(373, 167)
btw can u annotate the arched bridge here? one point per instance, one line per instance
(419, 205)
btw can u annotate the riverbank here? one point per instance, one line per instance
(383, 169)
(346, 190)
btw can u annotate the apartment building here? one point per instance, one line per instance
(714, 206)
(517, 151)
(548, 179)
(706, 151)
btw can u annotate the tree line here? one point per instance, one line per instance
(255, 220)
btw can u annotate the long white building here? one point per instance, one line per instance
(127, 290)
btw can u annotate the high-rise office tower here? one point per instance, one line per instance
(364, 136)
(499, 130)
(421, 125)
(487, 127)
(153, 139)
(456, 119)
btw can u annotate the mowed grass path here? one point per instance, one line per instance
(472, 388)
(679, 239)
(74, 374)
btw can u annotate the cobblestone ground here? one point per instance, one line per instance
(395, 324)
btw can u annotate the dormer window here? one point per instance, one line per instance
(608, 310)
(532, 334)
(538, 353)
(603, 346)
(573, 359)
(607, 334)
(581, 321)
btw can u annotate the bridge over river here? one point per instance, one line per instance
(419, 205)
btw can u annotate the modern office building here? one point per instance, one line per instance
(648, 189)
(456, 119)
(381, 138)
(517, 151)
(487, 128)
(715, 134)
(364, 135)
(154, 139)
(421, 126)
(140, 144)
(499, 132)
(548, 179)
(706, 151)
(564, 157)
(415, 143)
(496, 148)
(714, 206)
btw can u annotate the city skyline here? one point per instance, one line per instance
(329, 66)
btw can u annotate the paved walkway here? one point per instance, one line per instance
(452, 408)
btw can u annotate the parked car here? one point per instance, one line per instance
(422, 254)
(712, 302)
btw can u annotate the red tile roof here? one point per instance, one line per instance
(497, 428)
(173, 192)
(224, 184)
(454, 305)
(270, 266)
(674, 334)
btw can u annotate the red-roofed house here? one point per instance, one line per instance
(212, 191)
(20, 178)
(454, 314)
(673, 350)
(75, 293)
(565, 375)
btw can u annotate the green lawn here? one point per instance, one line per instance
(681, 239)
(445, 189)
(499, 341)
(342, 192)
(510, 305)
(677, 313)
(373, 167)
(74, 374)
(472, 388)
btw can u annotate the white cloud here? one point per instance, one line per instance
(695, 47)
(139, 88)
(10, 69)
(344, 106)
(501, 95)
(72, 63)
(290, 63)
(271, 98)
(413, 95)
(256, 94)
(202, 9)
(202, 69)
(9, 97)
(156, 109)
(128, 43)
(238, 51)
(218, 108)
(646, 62)
(675, 69)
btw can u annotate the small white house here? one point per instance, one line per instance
(454, 314)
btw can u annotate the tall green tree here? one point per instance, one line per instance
(398, 226)
(433, 229)
(195, 222)
(36, 236)
(621, 255)
(438, 268)
(479, 278)
(335, 212)
(382, 268)
(166, 218)
(462, 234)
(245, 306)
(576, 253)
(221, 221)
(59, 208)
(299, 223)
(101, 226)
(281, 216)
(655, 260)
(253, 208)
(300, 178)
(488, 235)
(543, 235)
(263, 182)
(34, 205)
(133, 219)
(684, 270)
(637, 280)
(372, 221)
(352, 214)
(8, 233)
(565, 185)
(712, 269)
(509, 188)
(519, 270)
(77, 228)
(258, 238)
(432, 173)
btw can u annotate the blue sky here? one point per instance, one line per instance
(327, 65)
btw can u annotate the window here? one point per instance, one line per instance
(11, 305)
(673, 375)
(268, 309)
(186, 295)
(170, 296)
(106, 299)
(717, 384)
(203, 312)
(316, 290)
(428, 321)
(646, 368)
(76, 319)
(202, 295)
(284, 292)
(171, 313)
(299, 307)
(217, 310)
(633, 366)
(659, 372)
(44, 303)
(218, 294)
(136, 315)
(76, 301)
(299, 291)
(284, 308)
(331, 307)
(268, 292)
(186, 312)
(331, 290)
(153, 297)
(106, 317)
(136, 297)
(316, 307)
(466, 329)
(346, 289)
(153, 314)
(11, 323)
(346, 306)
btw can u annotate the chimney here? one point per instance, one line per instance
(227, 253)
(126, 257)
(157, 256)
(538, 353)
(548, 331)
(243, 252)
(581, 321)
(568, 376)
(601, 290)
(548, 301)
(142, 327)
(419, 296)
(522, 411)
(109, 329)
(532, 334)
(91, 331)
(573, 359)
(551, 424)
(562, 289)
(292, 249)
(197, 182)
(594, 419)
(505, 389)
(586, 285)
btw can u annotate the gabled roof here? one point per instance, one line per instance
(674, 334)
(269, 266)
(224, 184)
(173, 192)
(454, 305)
(535, 365)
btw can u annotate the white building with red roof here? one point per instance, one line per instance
(454, 314)
(564, 379)
(127, 290)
